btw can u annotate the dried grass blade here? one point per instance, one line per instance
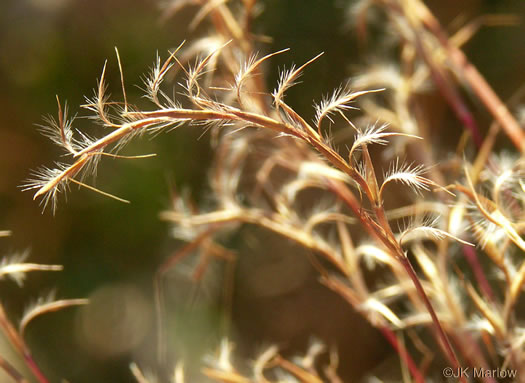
(47, 308)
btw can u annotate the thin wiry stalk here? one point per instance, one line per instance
(12, 371)
(20, 346)
(478, 83)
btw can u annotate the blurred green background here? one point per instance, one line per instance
(110, 250)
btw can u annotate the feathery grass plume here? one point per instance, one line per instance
(273, 368)
(283, 220)
(44, 305)
(15, 268)
(269, 158)
(338, 102)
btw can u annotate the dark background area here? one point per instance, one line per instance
(110, 250)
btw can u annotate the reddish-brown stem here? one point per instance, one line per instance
(19, 344)
(11, 371)
(453, 98)
(442, 81)
(472, 259)
(384, 233)
(350, 200)
(383, 236)
(403, 354)
(35, 369)
(445, 343)
(478, 83)
(341, 289)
